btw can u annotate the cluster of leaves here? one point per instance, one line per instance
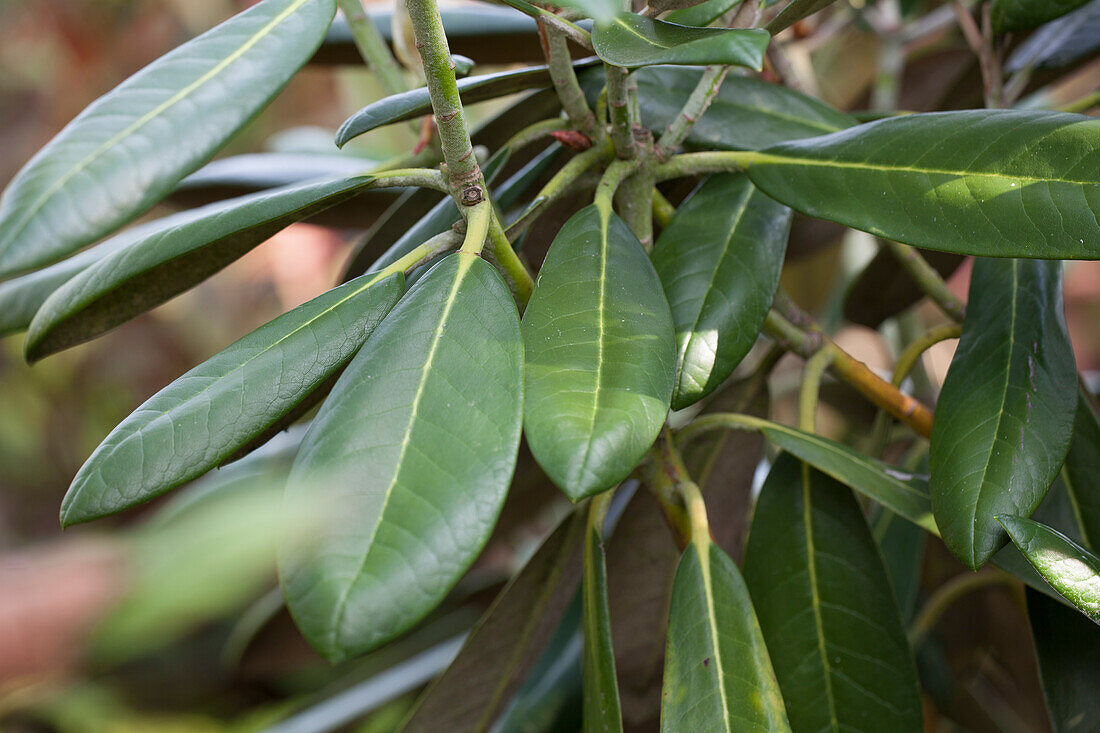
(428, 378)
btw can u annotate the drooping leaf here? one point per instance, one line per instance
(166, 262)
(127, 150)
(1060, 42)
(1081, 472)
(210, 413)
(718, 676)
(602, 713)
(794, 12)
(719, 261)
(702, 14)
(416, 102)
(633, 40)
(1001, 183)
(1070, 569)
(241, 174)
(414, 484)
(1005, 415)
(901, 544)
(826, 607)
(1022, 15)
(600, 355)
(1066, 646)
(508, 639)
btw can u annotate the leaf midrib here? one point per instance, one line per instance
(31, 211)
(702, 548)
(815, 597)
(605, 224)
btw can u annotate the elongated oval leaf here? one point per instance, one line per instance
(257, 171)
(633, 40)
(600, 355)
(718, 676)
(795, 11)
(1066, 647)
(507, 641)
(719, 261)
(1005, 415)
(1022, 15)
(1081, 472)
(126, 151)
(157, 267)
(601, 11)
(826, 608)
(1070, 569)
(1060, 42)
(991, 183)
(211, 412)
(416, 102)
(413, 452)
(702, 14)
(601, 688)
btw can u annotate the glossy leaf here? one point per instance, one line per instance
(414, 483)
(600, 355)
(1066, 647)
(719, 261)
(127, 150)
(416, 102)
(633, 40)
(601, 688)
(1081, 472)
(258, 171)
(1022, 15)
(599, 10)
(213, 411)
(1070, 569)
(507, 641)
(796, 11)
(901, 545)
(991, 183)
(1060, 42)
(1005, 414)
(168, 261)
(718, 676)
(702, 14)
(826, 607)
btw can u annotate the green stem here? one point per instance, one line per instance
(701, 97)
(719, 421)
(616, 173)
(694, 164)
(618, 107)
(426, 252)
(927, 279)
(664, 476)
(558, 186)
(508, 262)
(663, 210)
(564, 79)
(372, 47)
(812, 373)
(946, 595)
(477, 227)
(466, 181)
(405, 177)
(534, 132)
(914, 350)
(635, 199)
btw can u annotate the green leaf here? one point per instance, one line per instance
(718, 676)
(796, 11)
(719, 261)
(1005, 414)
(508, 639)
(416, 102)
(1059, 43)
(825, 605)
(413, 453)
(901, 545)
(127, 150)
(600, 355)
(1022, 15)
(702, 14)
(991, 183)
(209, 414)
(601, 11)
(633, 40)
(601, 688)
(166, 262)
(1070, 569)
(1067, 647)
(1082, 472)
(242, 174)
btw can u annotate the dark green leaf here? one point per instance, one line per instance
(826, 607)
(633, 40)
(1022, 15)
(702, 14)
(1070, 569)
(600, 10)
(508, 639)
(1060, 42)
(157, 267)
(416, 103)
(601, 688)
(1082, 472)
(600, 355)
(796, 11)
(1067, 647)
(127, 150)
(719, 261)
(992, 183)
(414, 484)
(901, 544)
(210, 413)
(242, 174)
(1005, 415)
(718, 676)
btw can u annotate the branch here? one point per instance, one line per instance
(618, 107)
(372, 47)
(927, 278)
(564, 79)
(695, 164)
(701, 97)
